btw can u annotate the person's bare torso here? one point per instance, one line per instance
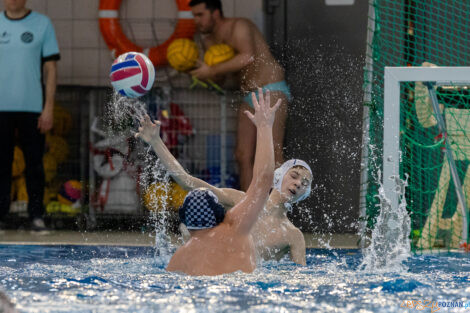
(215, 251)
(271, 236)
(263, 70)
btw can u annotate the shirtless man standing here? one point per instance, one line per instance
(255, 67)
(222, 243)
(274, 235)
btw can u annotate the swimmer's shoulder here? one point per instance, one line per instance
(244, 24)
(176, 263)
(237, 21)
(239, 25)
(293, 233)
(179, 262)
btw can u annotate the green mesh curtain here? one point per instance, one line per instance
(409, 33)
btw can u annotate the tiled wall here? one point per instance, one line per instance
(85, 57)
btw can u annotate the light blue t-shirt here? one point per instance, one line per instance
(25, 44)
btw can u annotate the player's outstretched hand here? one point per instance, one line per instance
(148, 130)
(264, 113)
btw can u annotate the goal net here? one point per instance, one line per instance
(430, 145)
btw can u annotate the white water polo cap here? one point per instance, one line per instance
(282, 171)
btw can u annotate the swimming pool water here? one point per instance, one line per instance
(133, 279)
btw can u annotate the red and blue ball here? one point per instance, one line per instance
(132, 74)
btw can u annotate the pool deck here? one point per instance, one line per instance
(56, 237)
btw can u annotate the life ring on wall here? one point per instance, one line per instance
(118, 43)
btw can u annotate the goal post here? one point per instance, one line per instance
(409, 34)
(454, 142)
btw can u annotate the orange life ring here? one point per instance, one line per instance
(118, 43)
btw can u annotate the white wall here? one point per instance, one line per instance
(85, 57)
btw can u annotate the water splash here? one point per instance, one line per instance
(125, 114)
(160, 217)
(324, 81)
(390, 242)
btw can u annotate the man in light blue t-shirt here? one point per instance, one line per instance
(28, 49)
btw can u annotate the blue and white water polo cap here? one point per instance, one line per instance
(201, 209)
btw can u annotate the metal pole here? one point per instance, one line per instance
(391, 141)
(85, 161)
(450, 158)
(91, 217)
(366, 121)
(223, 140)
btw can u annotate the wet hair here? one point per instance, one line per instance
(212, 5)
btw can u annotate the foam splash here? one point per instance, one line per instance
(125, 114)
(122, 109)
(160, 217)
(390, 242)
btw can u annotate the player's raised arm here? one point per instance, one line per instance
(244, 215)
(150, 133)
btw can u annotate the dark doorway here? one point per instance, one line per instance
(323, 51)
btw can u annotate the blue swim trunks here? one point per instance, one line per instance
(278, 86)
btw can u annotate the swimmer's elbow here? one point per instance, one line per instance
(248, 58)
(184, 181)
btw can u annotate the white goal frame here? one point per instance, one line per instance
(393, 76)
